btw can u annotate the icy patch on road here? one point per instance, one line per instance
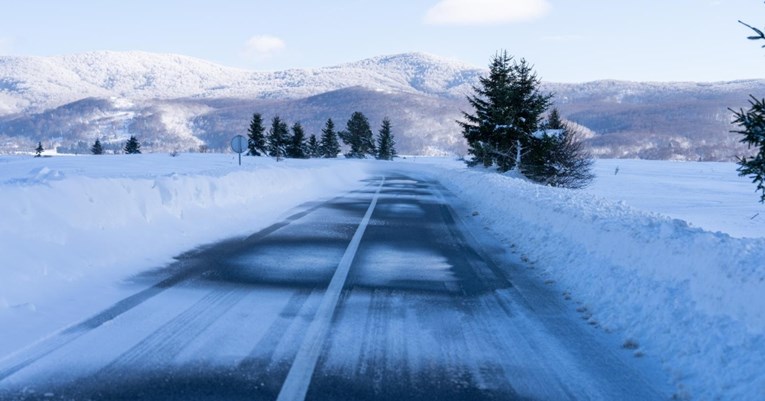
(403, 209)
(387, 266)
(286, 265)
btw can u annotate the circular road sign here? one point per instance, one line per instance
(239, 144)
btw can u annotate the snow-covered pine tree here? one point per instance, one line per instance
(97, 149)
(313, 146)
(557, 157)
(752, 123)
(385, 143)
(508, 108)
(358, 135)
(296, 147)
(278, 136)
(256, 139)
(539, 164)
(132, 146)
(39, 149)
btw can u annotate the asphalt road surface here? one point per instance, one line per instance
(390, 292)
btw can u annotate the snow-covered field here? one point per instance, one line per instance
(669, 255)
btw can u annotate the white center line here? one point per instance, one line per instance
(298, 379)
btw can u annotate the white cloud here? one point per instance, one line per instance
(482, 12)
(263, 46)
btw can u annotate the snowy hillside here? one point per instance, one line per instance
(675, 286)
(32, 84)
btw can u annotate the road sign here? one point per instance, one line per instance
(239, 145)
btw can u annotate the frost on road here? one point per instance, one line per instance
(421, 312)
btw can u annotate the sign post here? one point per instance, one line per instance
(238, 145)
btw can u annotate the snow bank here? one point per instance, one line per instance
(77, 225)
(695, 298)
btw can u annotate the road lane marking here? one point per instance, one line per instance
(298, 379)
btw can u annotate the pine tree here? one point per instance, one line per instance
(752, 124)
(296, 148)
(508, 108)
(553, 120)
(313, 146)
(278, 136)
(385, 142)
(572, 161)
(358, 135)
(132, 146)
(539, 163)
(329, 146)
(97, 149)
(39, 149)
(558, 157)
(256, 140)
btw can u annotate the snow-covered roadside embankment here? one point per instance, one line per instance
(73, 228)
(695, 298)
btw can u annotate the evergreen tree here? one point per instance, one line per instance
(508, 108)
(132, 146)
(752, 123)
(537, 164)
(329, 146)
(385, 142)
(358, 135)
(752, 127)
(278, 136)
(296, 148)
(39, 149)
(97, 149)
(572, 161)
(557, 156)
(256, 140)
(313, 146)
(553, 120)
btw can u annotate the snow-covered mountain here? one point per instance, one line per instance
(177, 102)
(33, 84)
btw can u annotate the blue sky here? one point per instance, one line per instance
(566, 40)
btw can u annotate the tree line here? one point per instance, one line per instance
(281, 141)
(132, 146)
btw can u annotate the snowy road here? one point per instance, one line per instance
(379, 294)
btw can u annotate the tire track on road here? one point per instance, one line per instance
(170, 339)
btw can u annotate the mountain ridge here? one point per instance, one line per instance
(37, 83)
(181, 102)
